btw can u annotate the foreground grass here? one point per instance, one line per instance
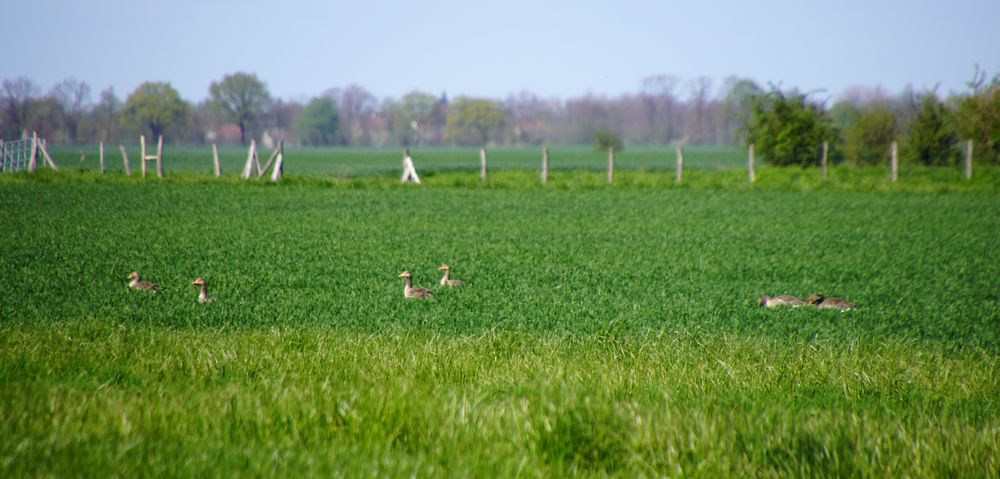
(606, 330)
(127, 400)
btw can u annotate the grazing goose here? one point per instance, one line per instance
(143, 285)
(446, 279)
(203, 296)
(410, 292)
(780, 300)
(820, 301)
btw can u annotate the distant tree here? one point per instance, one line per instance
(786, 129)
(283, 117)
(319, 123)
(16, 97)
(413, 117)
(978, 117)
(474, 121)
(868, 137)
(73, 96)
(106, 113)
(737, 106)
(241, 98)
(156, 106)
(605, 139)
(931, 137)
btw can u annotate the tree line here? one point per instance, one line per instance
(786, 125)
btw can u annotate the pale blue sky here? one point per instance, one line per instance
(552, 48)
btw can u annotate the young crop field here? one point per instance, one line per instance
(604, 330)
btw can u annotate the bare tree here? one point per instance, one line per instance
(356, 106)
(73, 97)
(15, 100)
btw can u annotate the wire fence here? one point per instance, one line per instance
(14, 155)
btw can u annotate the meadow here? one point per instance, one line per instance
(605, 330)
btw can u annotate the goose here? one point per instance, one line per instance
(203, 296)
(780, 300)
(820, 301)
(446, 279)
(410, 292)
(143, 285)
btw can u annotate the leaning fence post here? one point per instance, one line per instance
(894, 162)
(680, 163)
(128, 167)
(968, 159)
(545, 165)
(611, 164)
(823, 161)
(279, 165)
(751, 165)
(482, 164)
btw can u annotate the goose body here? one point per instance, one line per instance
(820, 301)
(446, 279)
(203, 296)
(780, 300)
(135, 283)
(410, 292)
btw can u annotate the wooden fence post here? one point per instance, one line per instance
(751, 165)
(159, 157)
(46, 156)
(482, 164)
(968, 159)
(823, 161)
(894, 162)
(545, 165)
(680, 164)
(102, 157)
(33, 159)
(611, 164)
(128, 167)
(279, 166)
(253, 164)
(278, 160)
(215, 158)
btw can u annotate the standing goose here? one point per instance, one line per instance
(143, 285)
(820, 301)
(446, 279)
(410, 292)
(203, 296)
(780, 300)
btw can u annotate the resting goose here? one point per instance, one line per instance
(780, 300)
(203, 296)
(446, 279)
(821, 301)
(143, 285)
(410, 292)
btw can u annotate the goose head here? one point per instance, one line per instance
(763, 300)
(405, 274)
(133, 275)
(198, 282)
(815, 299)
(444, 267)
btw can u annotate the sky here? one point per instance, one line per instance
(554, 49)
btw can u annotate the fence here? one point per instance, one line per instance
(14, 155)
(487, 163)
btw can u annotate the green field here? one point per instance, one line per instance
(606, 330)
